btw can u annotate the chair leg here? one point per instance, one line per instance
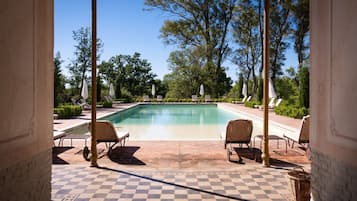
(229, 152)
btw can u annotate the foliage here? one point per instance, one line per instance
(291, 111)
(287, 89)
(108, 71)
(246, 35)
(202, 27)
(252, 104)
(68, 111)
(185, 71)
(161, 87)
(107, 104)
(280, 25)
(131, 73)
(82, 62)
(301, 13)
(59, 92)
(188, 70)
(240, 85)
(236, 91)
(126, 96)
(99, 88)
(304, 87)
(260, 89)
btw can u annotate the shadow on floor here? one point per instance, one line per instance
(255, 154)
(173, 184)
(56, 151)
(125, 155)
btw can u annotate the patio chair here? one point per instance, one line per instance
(107, 133)
(302, 136)
(146, 98)
(238, 132)
(243, 100)
(194, 98)
(248, 99)
(208, 98)
(270, 104)
(159, 98)
(108, 99)
(276, 104)
(81, 102)
(239, 102)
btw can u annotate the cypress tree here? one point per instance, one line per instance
(304, 87)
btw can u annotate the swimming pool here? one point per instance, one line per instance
(179, 121)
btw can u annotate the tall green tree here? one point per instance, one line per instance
(186, 74)
(236, 90)
(280, 26)
(301, 11)
(58, 81)
(304, 89)
(201, 25)
(246, 34)
(161, 87)
(81, 64)
(99, 87)
(108, 71)
(131, 73)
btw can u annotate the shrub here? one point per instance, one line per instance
(126, 96)
(291, 111)
(252, 103)
(67, 111)
(107, 104)
(171, 100)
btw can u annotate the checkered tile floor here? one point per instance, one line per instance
(80, 183)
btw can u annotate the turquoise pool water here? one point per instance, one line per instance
(172, 115)
(181, 122)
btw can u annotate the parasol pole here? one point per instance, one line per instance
(94, 87)
(265, 151)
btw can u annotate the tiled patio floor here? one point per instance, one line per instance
(249, 182)
(173, 170)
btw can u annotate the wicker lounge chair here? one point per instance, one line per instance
(302, 136)
(238, 132)
(107, 133)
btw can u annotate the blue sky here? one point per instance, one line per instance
(124, 28)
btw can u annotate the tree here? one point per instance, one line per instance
(246, 34)
(304, 87)
(201, 26)
(58, 81)
(240, 85)
(99, 88)
(131, 73)
(186, 70)
(280, 24)
(302, 26)
(82, 62)
(161, 87)
(236, 90)
(260, 88)
(108, 71)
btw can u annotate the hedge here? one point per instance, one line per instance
(291, 111)
(107, 104)
(68, 111)
(252, 104)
